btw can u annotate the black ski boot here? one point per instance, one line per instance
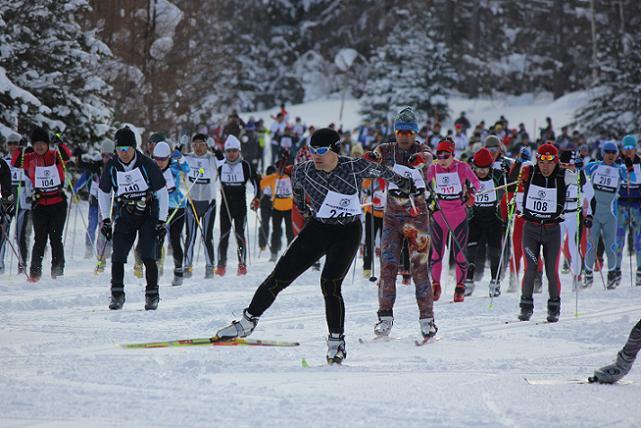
(588, 279)
(527, 309)
(554, 309)
(612, 280)
(151, 300)
(336, 352)
(638, 280)
(117, 301)
(495, 288)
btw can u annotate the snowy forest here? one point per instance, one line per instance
(85, 66)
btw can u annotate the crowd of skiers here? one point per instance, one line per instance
(422, 200)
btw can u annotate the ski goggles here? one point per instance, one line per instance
(319, 151)
(161, 159)
(484, 170)
(546, 157)
(123, 148)
(405, 132)
(443, 155)
(610, 152)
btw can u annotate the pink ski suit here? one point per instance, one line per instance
(452, 186)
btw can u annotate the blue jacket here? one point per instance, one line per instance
(176, 195)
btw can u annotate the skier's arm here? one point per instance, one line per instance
(251, 173)
(587, 193)
(365, 169)
(5, 179)
(163, 203)
(297, 186)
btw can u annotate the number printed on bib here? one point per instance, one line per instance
(408, 172)
(541, 200)
(47, 177)
(195, 174)
(131, 184)
(338, 205)
(17, 176)
(606, 179)
(232, 174)
(283, 187)
(486, 199)
(448, 185)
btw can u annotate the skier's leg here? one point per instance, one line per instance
(419, 256)
(476, 230)
(190, 236)
(494, 240)
(289, 229)
(552, 257)
(208, 222)
(610, 241)
(277, 231)
(623, 221)
(459, 226)
(175, 232)
(531, 250)
(392, 239)
(625, 358)
(239, 228)
(225, 230)
(439, 238)
(58, 215)
(40, 231)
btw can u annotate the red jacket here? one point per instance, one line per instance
(45, 193)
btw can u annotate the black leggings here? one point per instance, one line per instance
(277, 233)
(48, 222)
(238, 214)
(175, 232)
(338, 243)
(369, 242)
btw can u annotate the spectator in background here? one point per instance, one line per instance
(276, 131)
(299, 130)
(564, 139)
(463, 122)
(547, 133)
(522, 132)
(435, 136)
(461, 142)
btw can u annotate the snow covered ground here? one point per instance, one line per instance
(60, 366)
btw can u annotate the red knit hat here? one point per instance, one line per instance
(483, 158)
(445, 145)
(549, 149)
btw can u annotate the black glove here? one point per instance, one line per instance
(629, 164)
(106, 229)
(161, 230)
(219, 154)
(587, 221)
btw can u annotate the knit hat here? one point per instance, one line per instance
(548, 149)
(107, 146)
(125, 137)
(232, 143)
(38, 134)
(405, 120)
(628, 142)
(445, 145)
(157, 137)
(326, 137)
(609, 146)
(162, 150)
(492, 141)
(483, 158)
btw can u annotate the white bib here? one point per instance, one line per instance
(47, 177)
(485, 199)
(336, 205)
(169, 180)
(17, 175)
(606, 179)
(541, 200)
(408, 172)
(448, 185)
(637, 175)
(572, 193)
(283, 187)
(131, 183)
(195, 164)
(286, 143)
(232, 174)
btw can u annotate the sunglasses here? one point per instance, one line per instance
(610, 152)
(319, 151)
(123, 148)
(160, 159)
(482, 170)
(546, 157)
(404, 132)
(443, 155)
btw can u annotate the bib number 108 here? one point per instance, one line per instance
(540, 206)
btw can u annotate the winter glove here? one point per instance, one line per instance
(372, 156)
(106, 229)
(629, 164)
(417, 160)
(161, 230)
(176, 154)
(587, 221)
(525, 154)
(470, 200)
(219, 154)
(254, 204)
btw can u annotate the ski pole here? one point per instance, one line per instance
(629, 230)
(372, 229)
(502, 186)
(13, 249)
(578, 243)
(104, 247)
(180, 202)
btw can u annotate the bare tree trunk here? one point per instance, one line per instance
(595, 73)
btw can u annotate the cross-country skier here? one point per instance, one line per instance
(406, 218)
(332, 183)
(374, 197)
(172, 165)
(607, 177)
(280, 185)
(45, 168)
(455, 186)
(200, 212)
(625, 358)
(234, 173)
(629, 203)
(139, 208)
(544, 187)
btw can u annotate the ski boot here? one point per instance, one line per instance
(554, 309)
(178, 277)
(188, 271)
(209, 272)
(566, 267)
(538, 282)
(242, 270)
(242, 328)
(220, 270)
(273, 257)
(459, 293)
(495, 288)
(614, 372)
(117, 301)
(436, 290)
(612, 280)
(618, 277)
(336, 348)
(428, 328)
(469, 286)
(57, 271)
(367, 273)
(151, 300)
(384, 325)
(588, 279)
(638, 278)
(527, 309)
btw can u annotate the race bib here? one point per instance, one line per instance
(337, 205)
(606, 179)
(47, 177)
(199, 170)
(486, 199)
(284, 187)
(408, 172)
(448, 185)
(541, 200)
(232, 174)
(572, 193)
(378, 200)
(131, 184)
(17, 175)
(169, 180)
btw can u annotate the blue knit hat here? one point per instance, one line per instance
(406, 120)
(629, 142)
(609, 146)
